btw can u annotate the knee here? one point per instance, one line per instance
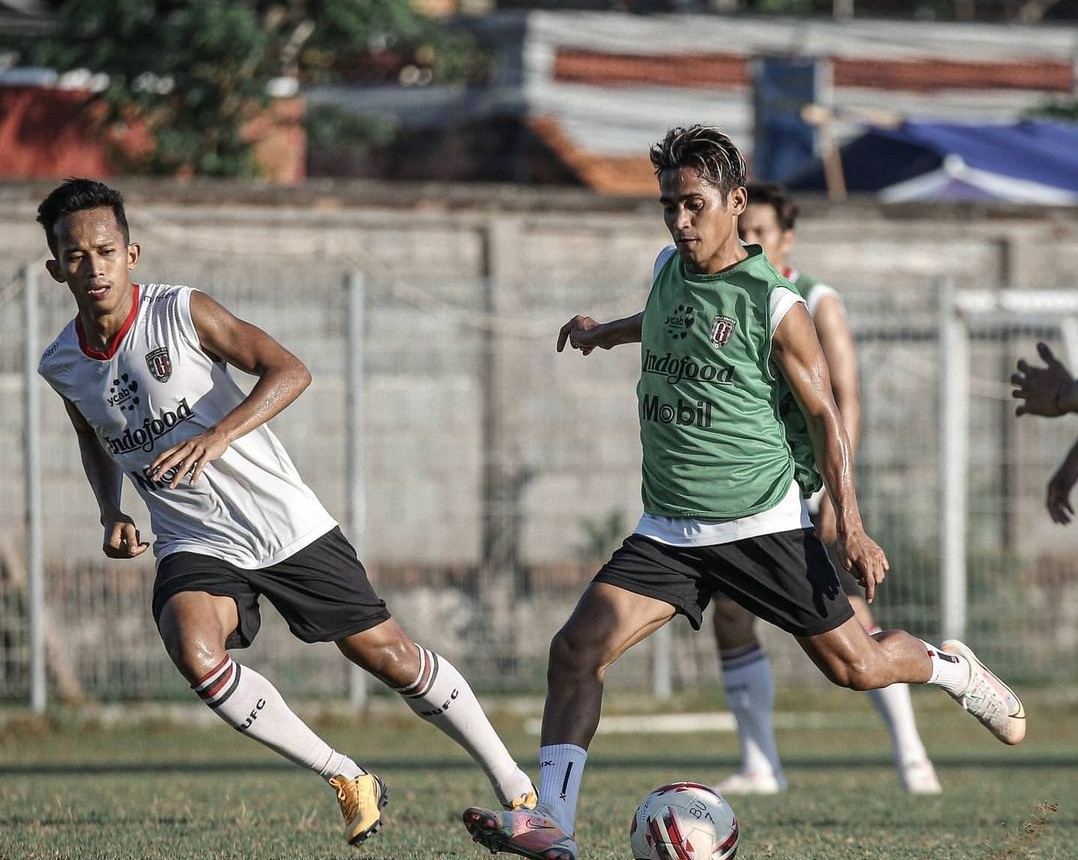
(386, 651)
(194, 628)
(195, 653)
(571, 657)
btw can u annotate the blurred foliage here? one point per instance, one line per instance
(1064, 111)
(602, 535)
(196, 72)
(339, 139)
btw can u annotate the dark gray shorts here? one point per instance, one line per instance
(784, 578)
(322, 591)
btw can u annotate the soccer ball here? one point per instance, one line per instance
(684, 821)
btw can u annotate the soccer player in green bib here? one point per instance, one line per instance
(734, 389)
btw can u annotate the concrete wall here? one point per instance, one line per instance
(481, 442)
(470, 414)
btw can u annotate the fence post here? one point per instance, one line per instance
(954, 460)
(355, 464)
(32, 481)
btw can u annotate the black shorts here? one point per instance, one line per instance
(784, 578)
(322, 591)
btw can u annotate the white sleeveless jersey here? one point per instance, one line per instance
(154, 388)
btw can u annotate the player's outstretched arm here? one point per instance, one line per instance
(121, 539)
(586, 334)
(836, 339)
(281, 379)
(1060, 486)
(1048, 390)
(797, 352)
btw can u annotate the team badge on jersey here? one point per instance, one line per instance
(721, 329)
(159, 363)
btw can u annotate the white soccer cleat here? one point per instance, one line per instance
(988, 699)
(919, 777)
(752, 783)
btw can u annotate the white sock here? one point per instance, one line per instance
(561, 767)
(750, 693)
(895, 707)
(950, 671)
(251, 705)
(442, 697)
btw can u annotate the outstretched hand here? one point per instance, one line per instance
(1044, 390)
(576, 334)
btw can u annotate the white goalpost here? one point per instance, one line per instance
(961, 313)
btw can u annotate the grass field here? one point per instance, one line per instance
(72, 789)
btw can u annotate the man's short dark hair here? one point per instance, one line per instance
(778, 198)
(706, 150)
(74, 196)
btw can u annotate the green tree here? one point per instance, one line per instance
(196, 71)
(1061, 110)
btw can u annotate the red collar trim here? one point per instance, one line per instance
(114, 342)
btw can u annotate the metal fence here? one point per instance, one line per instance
(483, 478)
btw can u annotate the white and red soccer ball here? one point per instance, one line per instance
(684, 821)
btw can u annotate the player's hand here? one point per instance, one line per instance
(1059, 493)
(865, 559)
(188, 458)
(578, 333)
(122, 538)
(1042, 388)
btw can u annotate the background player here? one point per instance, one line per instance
(770, 220)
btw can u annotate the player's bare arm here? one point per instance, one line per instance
(836, 339)
(1048, 390)
(798, 354)
(1060, 486)
(121, 538)
(281, 379)
(586, 334)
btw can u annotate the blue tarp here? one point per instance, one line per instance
(1025, 162)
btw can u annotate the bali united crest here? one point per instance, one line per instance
(159, 363)
(721, 329)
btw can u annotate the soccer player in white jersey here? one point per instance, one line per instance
(770, 221)
(1051, 391)
(143, 373)
(725, 341)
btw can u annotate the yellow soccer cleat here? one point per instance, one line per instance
(361, 801)
(528, 800)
